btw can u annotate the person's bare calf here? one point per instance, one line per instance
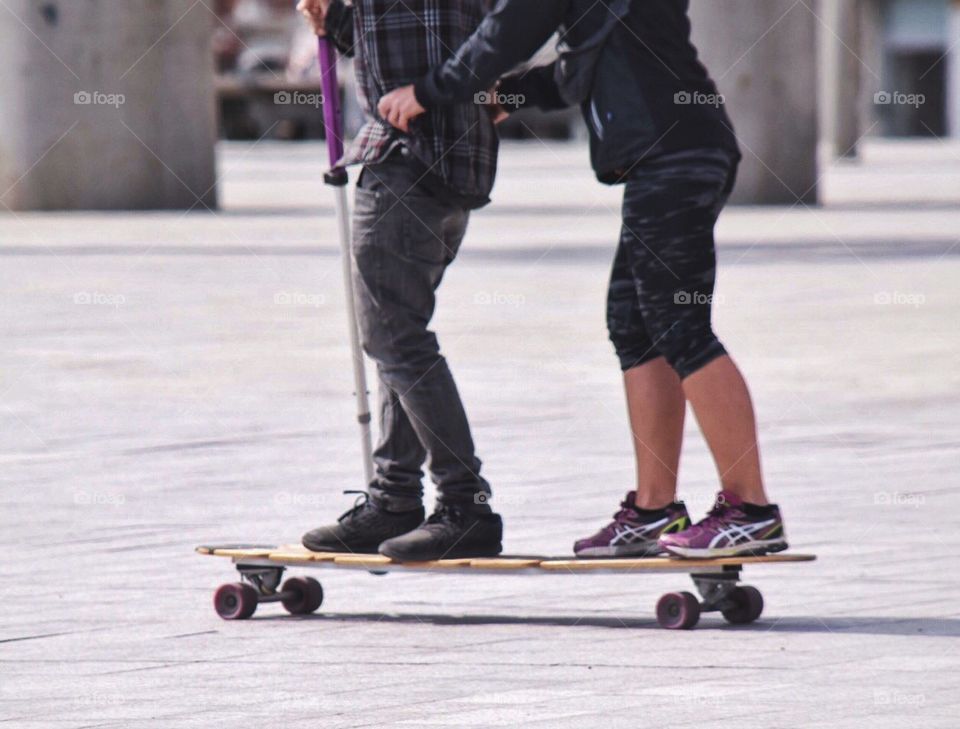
(721, 403)
(657, 408)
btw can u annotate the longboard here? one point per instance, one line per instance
(261, 568)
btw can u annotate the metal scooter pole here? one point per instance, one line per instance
(337, 178)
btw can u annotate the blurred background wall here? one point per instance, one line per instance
(117, 104)
(762, 55)
(106, 104)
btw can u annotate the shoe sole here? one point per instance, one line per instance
(341, 548)
(626, 551)
(753, 549)
(454, 554)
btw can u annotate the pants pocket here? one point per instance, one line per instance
(432, 230)
(366, 217)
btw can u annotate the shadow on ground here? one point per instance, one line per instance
(731, 253)
(862, 625)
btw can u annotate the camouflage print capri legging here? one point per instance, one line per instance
(661, 289)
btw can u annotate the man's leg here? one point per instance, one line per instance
(398, 270)
(399, 266)
(398, 456)
(393, 505)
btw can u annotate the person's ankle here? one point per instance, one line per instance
(478, 505)
(651, 502)
(748, 495)
(395, 503)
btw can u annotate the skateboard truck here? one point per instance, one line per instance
(239, 600)
(265, 579)
(739, 604)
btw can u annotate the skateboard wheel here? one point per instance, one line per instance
(306, 595)
(235, 601)
(678, 611)
(747, 605)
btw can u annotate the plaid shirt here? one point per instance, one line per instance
(395, 42)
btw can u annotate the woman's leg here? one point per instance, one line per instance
(721, 403)
(670, 209)
(656, 405)
(655, 401)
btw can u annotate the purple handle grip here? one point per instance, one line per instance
(331, 100)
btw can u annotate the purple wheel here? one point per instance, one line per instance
(678, 611)
(235, 601)
(306, 595)
(747, 605)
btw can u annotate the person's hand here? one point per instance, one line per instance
(315, 12)
(400, 107)
(495, 109)
(491, 102)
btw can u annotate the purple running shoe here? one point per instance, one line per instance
(732, 528)
(634, 532)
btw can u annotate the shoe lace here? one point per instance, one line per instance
(363, 499)
(445, 514)
(625, 511)
(718, 514)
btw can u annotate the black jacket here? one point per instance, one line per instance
(649, 95)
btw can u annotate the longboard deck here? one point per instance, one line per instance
(261, 567)
(284, 555)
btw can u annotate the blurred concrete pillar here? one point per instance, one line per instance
(953, 72)
(106, 104)
(872, 54)
(839, 73)
(762, 54)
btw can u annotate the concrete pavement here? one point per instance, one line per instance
(170, 380)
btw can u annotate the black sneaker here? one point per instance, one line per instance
(363, 528)
(451, 532)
